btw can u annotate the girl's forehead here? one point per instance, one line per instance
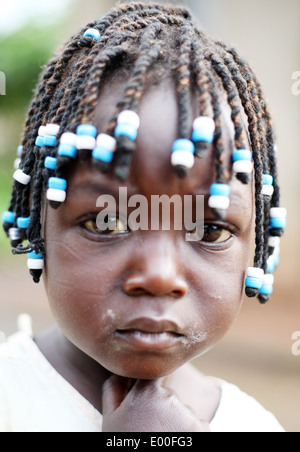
(151, 167)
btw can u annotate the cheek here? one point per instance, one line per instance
(80, 287)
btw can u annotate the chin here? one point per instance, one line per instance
(149, 369)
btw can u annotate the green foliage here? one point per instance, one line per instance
(22, 56)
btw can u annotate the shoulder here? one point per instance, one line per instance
(14, 367)
(239, 412)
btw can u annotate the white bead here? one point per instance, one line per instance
(278, 212)
(267, 190)
(129, 117)
(254, 272)
(243, 166)
(85, 142)
(17, 163)
(56, 195)
(219, 202)
(268, 279)
(15, 234)
(204, 122)
(273, 242)
(183, 158)
(35, 264)
(21, 177)
(107, 142)
(42, 131)
(52, 129)
(68, 138)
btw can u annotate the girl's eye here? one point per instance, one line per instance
(211, 233)
(215, 234)
(109, 225)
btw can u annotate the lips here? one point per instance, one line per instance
(150, 334)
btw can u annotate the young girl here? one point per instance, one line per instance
(144, 100)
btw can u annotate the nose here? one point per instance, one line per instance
(156, 271)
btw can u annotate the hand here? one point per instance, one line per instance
(147, 407)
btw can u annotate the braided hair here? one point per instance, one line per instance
(146, 42)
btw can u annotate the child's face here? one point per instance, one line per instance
(144, 303)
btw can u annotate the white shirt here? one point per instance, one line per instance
(34, 397)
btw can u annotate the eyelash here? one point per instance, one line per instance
(212, 227)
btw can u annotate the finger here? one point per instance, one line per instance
(153, 386)
(114, 392)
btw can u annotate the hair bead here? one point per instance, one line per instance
(277, 221)
(56, 192)
(182, 157)
(50, 163)
(126, 131)
(267, 189)
(254, 281)
(103, 153)
(129, 117)
(23, 222)
(8, 217)
(52, 130)
(266, 289)
(93, 32)
(50, 140)
(203, 134)
(21, 177)
(242, 165)
(85, 140)
(219, 200)
(16, 236)
(35, 263)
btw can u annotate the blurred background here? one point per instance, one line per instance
(257, 353)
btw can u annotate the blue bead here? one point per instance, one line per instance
(184, 145)
(126, 130)
(8, 217)
(100, 153)
(278, 223)
(254, 283)
(242, 154)
(50, 163)
(67, 150)
(87, 129)
(220, 190)
(50, 140)
(267, 179)
(20, 150)
(266, 289)
(202, 134)
(39, 141)
(57, 184)
(23, 223)
(34, 255)
(93, 33)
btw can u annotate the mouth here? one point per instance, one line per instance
(150, 334)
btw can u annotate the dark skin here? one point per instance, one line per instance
(101, 286)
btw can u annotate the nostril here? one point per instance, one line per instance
(136, 291)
